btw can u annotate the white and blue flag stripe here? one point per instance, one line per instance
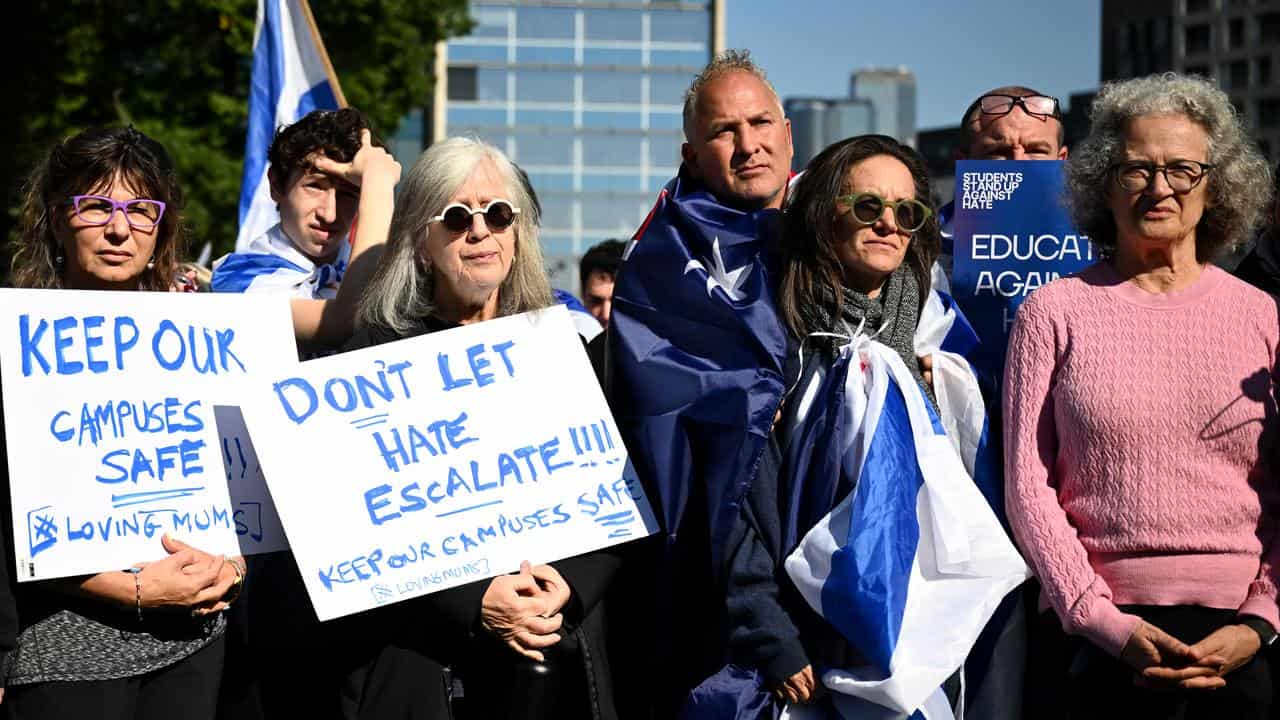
(289, 80)
(583, 321)
(273, 264)
(912, 563)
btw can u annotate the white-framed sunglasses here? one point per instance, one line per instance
(498, 215)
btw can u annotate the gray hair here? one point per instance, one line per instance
(401, 289)
(1239, 186)
(725, 62)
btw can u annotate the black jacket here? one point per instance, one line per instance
(1256, 271)
(447, 623)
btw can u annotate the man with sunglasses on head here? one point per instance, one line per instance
(1007, 123)
(305, 255)
(1013, 122)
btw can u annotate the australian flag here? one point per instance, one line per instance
(697, 352)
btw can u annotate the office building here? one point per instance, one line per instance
(1235, 43)
(586, 97)
(893, 94)
(819, 122)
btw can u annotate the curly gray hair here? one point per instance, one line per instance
(1239, 186)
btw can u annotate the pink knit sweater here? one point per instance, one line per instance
(1134, 428)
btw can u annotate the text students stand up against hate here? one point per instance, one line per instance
(103, 211)
(1006, 123)
(696, 351)
(463, 248)
(1012, 122)
(1140, 423)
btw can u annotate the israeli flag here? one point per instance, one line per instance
(289, 80)
(912, 563)
(583, 321)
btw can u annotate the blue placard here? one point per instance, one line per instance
(1012, 235)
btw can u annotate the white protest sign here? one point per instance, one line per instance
(444, 459)
(110, 422)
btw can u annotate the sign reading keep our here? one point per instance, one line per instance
(121, 424)
(444, 459)
(1012, 235)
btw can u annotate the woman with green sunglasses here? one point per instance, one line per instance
(859, 244)
(856, 251)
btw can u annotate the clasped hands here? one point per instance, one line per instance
(187, 578)
(1163, 661)
(523, 609)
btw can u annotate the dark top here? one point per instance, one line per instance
(447, 623)
(771, 627)
(1255, 270)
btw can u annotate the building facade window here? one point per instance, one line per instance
(1268, 112)
(618, 87)
(613, 24)
(545, 23)
(1269, 28)
(1236, 75)
(587, 98)
(1199, 39)
(1235, 33)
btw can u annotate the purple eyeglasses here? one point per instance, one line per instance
(141, 213)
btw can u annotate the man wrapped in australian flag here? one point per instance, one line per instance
(886, 538)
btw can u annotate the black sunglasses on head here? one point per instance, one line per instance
(1037, 105)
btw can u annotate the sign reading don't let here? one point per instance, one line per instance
(417, 465)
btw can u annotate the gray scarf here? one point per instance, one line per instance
(896, 308)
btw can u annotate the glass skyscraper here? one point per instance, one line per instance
(893, 93)
(586, 96)
(819, 122)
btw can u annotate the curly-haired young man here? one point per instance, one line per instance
(305, 255)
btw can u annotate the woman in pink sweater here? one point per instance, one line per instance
(1139, 412)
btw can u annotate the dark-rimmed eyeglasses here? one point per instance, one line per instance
(867, 208)
(1181, 175)
(1037, 105)
(498, 215)
(141, 213)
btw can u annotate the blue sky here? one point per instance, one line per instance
(956, 48)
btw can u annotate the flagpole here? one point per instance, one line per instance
(324, 54)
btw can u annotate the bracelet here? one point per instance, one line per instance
(238, 584)
(137, 589)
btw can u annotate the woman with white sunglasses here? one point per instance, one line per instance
(463, 248)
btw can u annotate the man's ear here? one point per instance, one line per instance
(1062, 153)
(275, 184)
(688, 156)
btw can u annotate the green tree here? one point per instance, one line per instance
(179, 71)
